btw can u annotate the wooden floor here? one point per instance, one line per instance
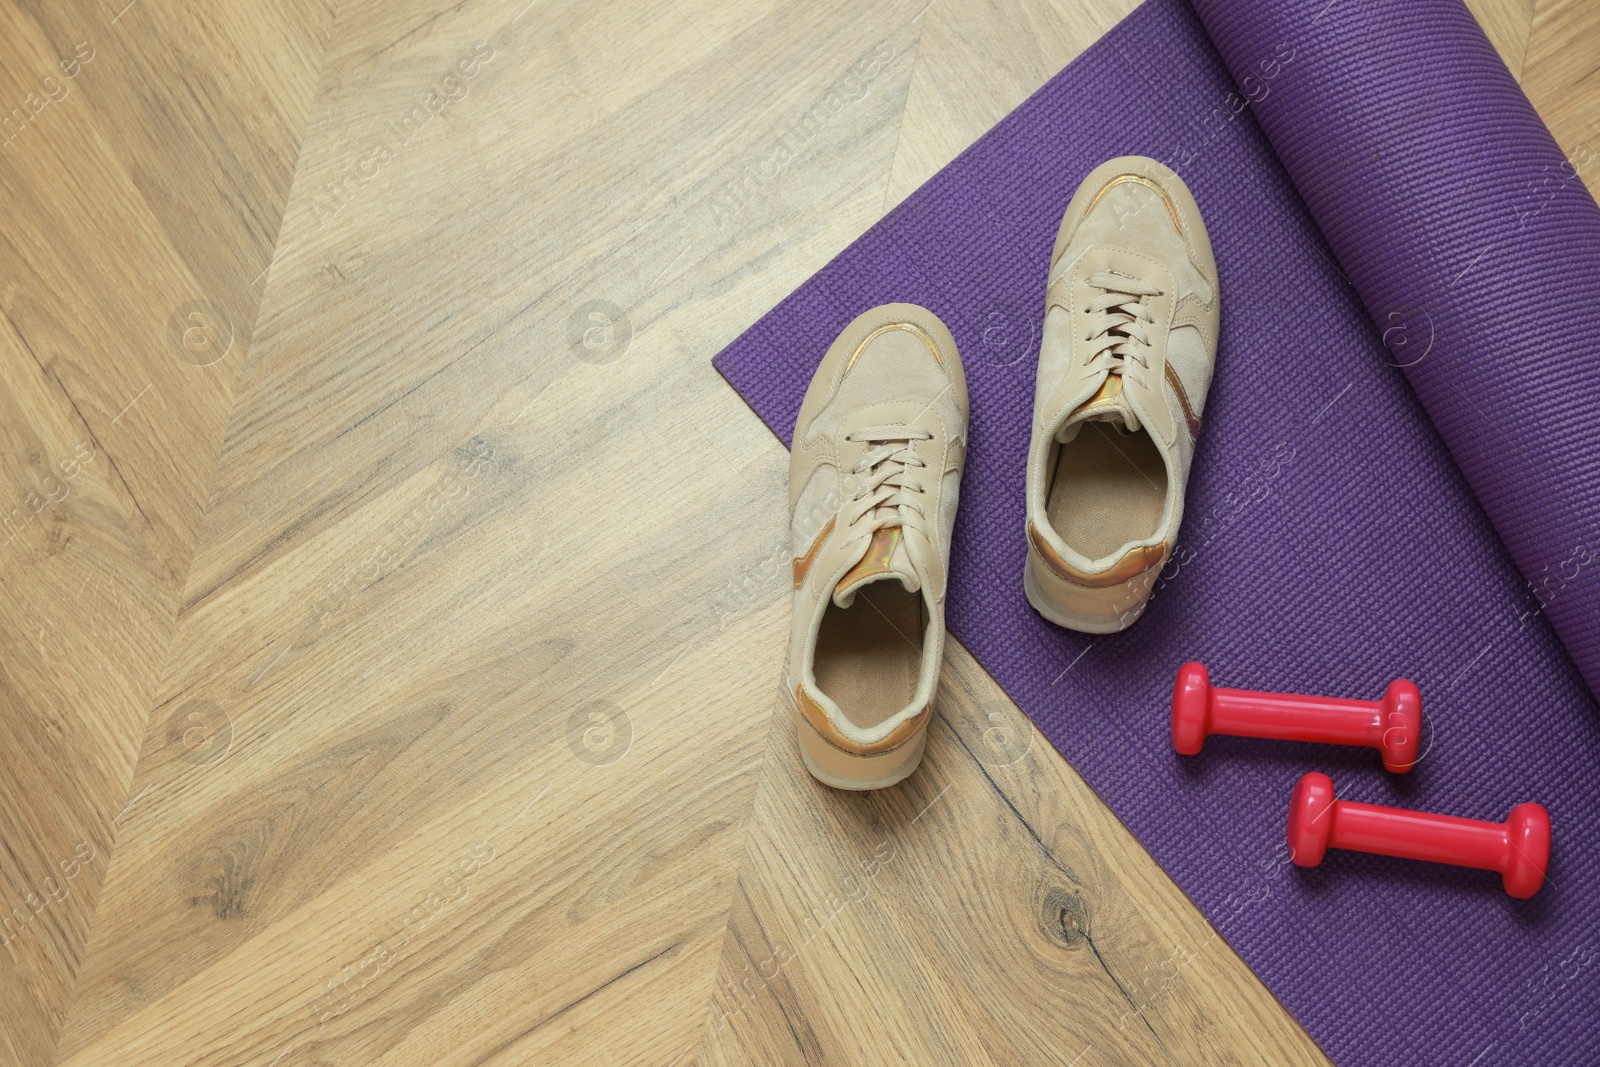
(392, 597)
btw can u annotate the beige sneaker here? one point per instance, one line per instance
(873, 478)
(1130, 341)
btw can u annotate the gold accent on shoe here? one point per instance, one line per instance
(1189, 416)
(1109, 391)
(818, 720)
(885, 540)
(911, 327)
(1136, 562)
(802, 564)
(1172, 207)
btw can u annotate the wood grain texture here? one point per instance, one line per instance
(1506, 23)
(1563, 80)
(144, 166)
(990, 911)
(422, 652)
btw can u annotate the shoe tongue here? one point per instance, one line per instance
(886, 557)
(1108, 404)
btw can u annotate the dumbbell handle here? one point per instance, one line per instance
(1294, 717)
(1418, 835)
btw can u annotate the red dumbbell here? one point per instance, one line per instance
(1392, 725)
(1518, 848)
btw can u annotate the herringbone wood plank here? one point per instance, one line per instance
(145, 163)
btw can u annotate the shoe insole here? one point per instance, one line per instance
(869, 654)
(1108, 489)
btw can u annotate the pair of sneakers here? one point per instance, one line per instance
(1126, 356)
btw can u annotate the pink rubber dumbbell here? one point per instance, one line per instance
(1392, 725)
(1518, 848)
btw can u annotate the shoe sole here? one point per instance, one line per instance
(1082, 623)
(875, 772)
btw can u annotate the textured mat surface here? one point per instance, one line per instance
(1473, 243)
(1331, 542)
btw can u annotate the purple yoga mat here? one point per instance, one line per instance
(1331, 542)
(1472, 241)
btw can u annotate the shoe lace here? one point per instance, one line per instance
(1122, 330)
(883, 487)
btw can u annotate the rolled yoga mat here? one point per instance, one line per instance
(1331, 542)
(1472, 241)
